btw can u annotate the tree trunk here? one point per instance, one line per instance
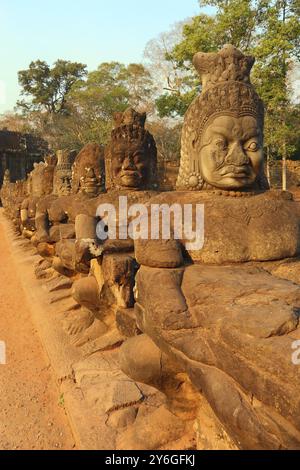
(268, 166)
(284, 175)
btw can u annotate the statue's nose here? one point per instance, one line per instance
(128, 164)
(237, 156)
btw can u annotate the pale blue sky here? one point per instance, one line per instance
(88, 31)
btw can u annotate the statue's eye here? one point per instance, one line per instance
(221, 144)
(119, 157)
(253, 147)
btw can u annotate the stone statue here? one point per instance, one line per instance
(5, 185)
(6, 178)
(229, 325)
(39, 185)
(89, 160)
(131, 156)
(76, 178)
(205, 331)
(130, 167)
(63, 172)
(222, 140)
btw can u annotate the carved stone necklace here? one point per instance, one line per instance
(234, 193)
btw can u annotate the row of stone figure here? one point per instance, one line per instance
(197, 323)
(56, 206)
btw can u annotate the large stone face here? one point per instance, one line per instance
(222, 136)
(131, 155)
(91, 157)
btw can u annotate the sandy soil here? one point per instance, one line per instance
(32, 412)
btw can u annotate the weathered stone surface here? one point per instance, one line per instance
(231, 328)
(63, 172)
(41, 177)
(61, 232)
(96, 272)
(43, 269)
(216, 321)
(77, 320)
(60, 283)
(104, 385)
(210, 433)
(85, 227)
(45, 250)
(109, 340)
(146, 366)
(65, 251)
(162, 254)
(83, 256)
(119, 271)
(126, 322)
(86, 292)
(122, 418)
(235, 229)
(141, 435)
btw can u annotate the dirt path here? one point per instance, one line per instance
(31, 410)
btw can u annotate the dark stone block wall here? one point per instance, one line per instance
(18, 153)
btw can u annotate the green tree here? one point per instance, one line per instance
(277, 52)
(113, 87)
(167, 137)
(102, 93)
(234, 21)
(138, 82)
(91, 103)
(270, 30)
(176, 86)
(47, 88)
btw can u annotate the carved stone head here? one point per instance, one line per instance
(89, 183)
(6, 177)
(90, 159)
(63, 172)
(222, 137)
(131, 155)
(42, 177)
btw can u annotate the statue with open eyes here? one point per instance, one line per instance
(222, 139)
(130, 157)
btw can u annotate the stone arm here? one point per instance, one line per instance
(185, 315)
(24, 211)
(42, 222)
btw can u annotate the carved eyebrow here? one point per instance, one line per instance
(250, 134)
(220, 130)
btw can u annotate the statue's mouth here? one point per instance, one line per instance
(130, 178)
(233, 171)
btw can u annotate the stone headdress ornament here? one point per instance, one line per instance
(226, 89)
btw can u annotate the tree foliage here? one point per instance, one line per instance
(71, 107)
(47, 88)
(268, 29)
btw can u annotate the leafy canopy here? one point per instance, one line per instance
(47, 88)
